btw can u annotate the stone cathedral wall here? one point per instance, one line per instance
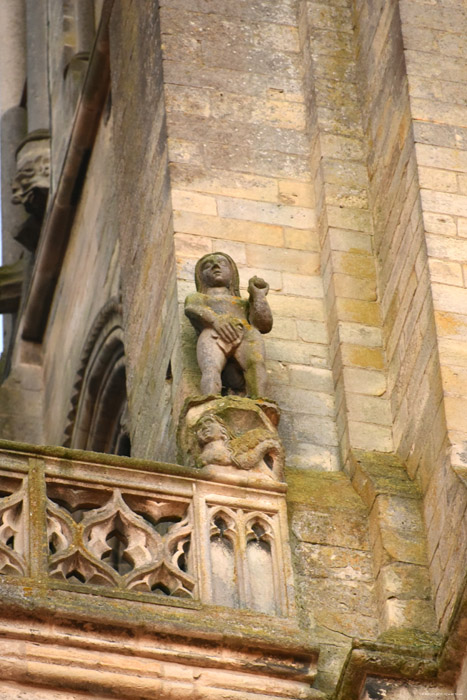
(95, 243)
(322, 145)
(435, 53)
(239, 153)
(144, 225)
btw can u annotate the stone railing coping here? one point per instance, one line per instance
(66, 454)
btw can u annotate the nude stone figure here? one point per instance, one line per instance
(229, 327)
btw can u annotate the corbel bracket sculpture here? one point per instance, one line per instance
(226, 434)
(237, 430)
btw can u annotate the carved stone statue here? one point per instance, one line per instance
(231, 434)
(230, 349)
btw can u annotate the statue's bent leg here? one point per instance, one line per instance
(211, 361)
(250, 355)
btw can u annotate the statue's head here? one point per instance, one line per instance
(217, 270)
(209, 428)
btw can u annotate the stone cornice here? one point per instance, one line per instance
(149, 663)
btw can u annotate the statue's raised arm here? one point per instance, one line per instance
(259, 313)
(229, 327)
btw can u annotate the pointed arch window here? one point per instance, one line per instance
(98, 419)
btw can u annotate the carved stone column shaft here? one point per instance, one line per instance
(37, 84)
(85, 27)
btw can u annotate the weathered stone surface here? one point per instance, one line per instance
(142, 541)
(339, 562)
(36, 57)
(328, 524)
(62, 666)
(11, 282)
(406, 581)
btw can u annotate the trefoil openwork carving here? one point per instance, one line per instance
(117, 527)
(13, 528)
(128, 542)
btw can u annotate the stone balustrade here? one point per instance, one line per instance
(114, 526)
(122, 568)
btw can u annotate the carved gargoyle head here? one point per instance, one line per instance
(31, 184)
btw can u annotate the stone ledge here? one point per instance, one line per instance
(416, 662)
(86, 457)
(185, 619)
(408, 654)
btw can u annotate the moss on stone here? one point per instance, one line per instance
(323, 489)
(411, 638)
(386, 473)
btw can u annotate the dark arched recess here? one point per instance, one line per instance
(98, 419)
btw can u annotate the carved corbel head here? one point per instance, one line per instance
(32, 180)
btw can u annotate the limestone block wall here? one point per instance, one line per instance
(92, 254)
(413, 380)
(321, 145)
(121, 243)
(435, 50)
(335, 583)
(142, 208)
(282, 136)
(345, 227)
(398, 542)
(435, 53)
(403, 285)
(379, 298)
(239, 154)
